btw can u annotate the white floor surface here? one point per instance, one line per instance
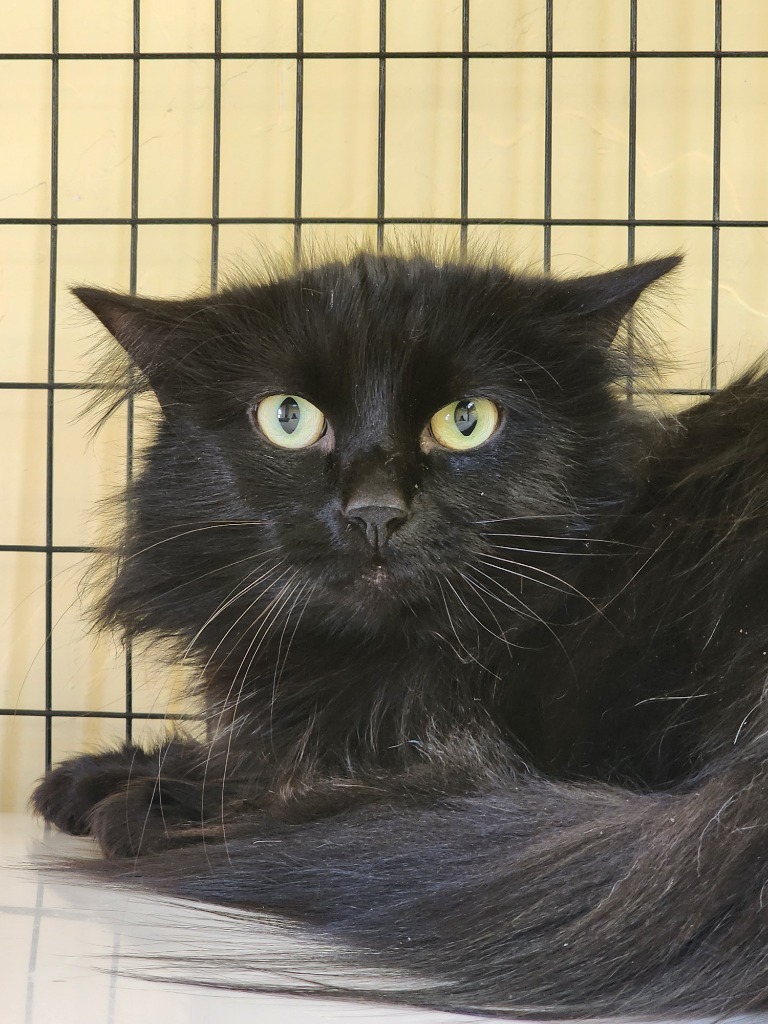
(67, 950)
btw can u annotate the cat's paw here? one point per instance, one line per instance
(126, 803)
(67, 795)
(128, 814)
(127, 824)
(147, 816)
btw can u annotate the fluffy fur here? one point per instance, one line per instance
(513, 741)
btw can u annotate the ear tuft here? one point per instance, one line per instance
(113, 309)
(619, 289)
(147, 329)
(601, 301)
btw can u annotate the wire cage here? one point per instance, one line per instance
(148, 144)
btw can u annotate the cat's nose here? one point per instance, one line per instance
(378, 522)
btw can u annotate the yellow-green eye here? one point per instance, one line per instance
(289, 421)
(465, 424)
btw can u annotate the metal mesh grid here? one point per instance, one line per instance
(550, 59)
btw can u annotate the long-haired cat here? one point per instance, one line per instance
(482, 647)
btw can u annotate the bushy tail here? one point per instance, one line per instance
(536, 898)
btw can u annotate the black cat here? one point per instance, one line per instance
(482, 647)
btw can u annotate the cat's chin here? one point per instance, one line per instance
(377, 589)
(375, 594)
(377, 576)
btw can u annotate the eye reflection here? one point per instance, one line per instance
(465, 417)
(289, 421)
(288, 415)
(465, 424)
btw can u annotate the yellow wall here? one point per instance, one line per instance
(506, 136)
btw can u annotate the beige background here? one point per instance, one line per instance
(422, 173)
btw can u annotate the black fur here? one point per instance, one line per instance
(514, 744)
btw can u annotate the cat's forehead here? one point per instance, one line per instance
(380, 329)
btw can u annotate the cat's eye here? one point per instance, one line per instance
(289, 421)
(465, 424)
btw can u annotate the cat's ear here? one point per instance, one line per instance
(140, 325)
(607, 298)
(156, 334)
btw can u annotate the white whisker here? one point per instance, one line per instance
(226, 707)
(228, 601)
(562, 537)
(531, 613)
(544, 572)
(187, 533)
(481, 624)
(478, 589)
(539, 551)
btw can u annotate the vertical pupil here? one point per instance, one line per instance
(288, 414)
(465, 417)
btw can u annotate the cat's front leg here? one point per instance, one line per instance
(131, 800)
